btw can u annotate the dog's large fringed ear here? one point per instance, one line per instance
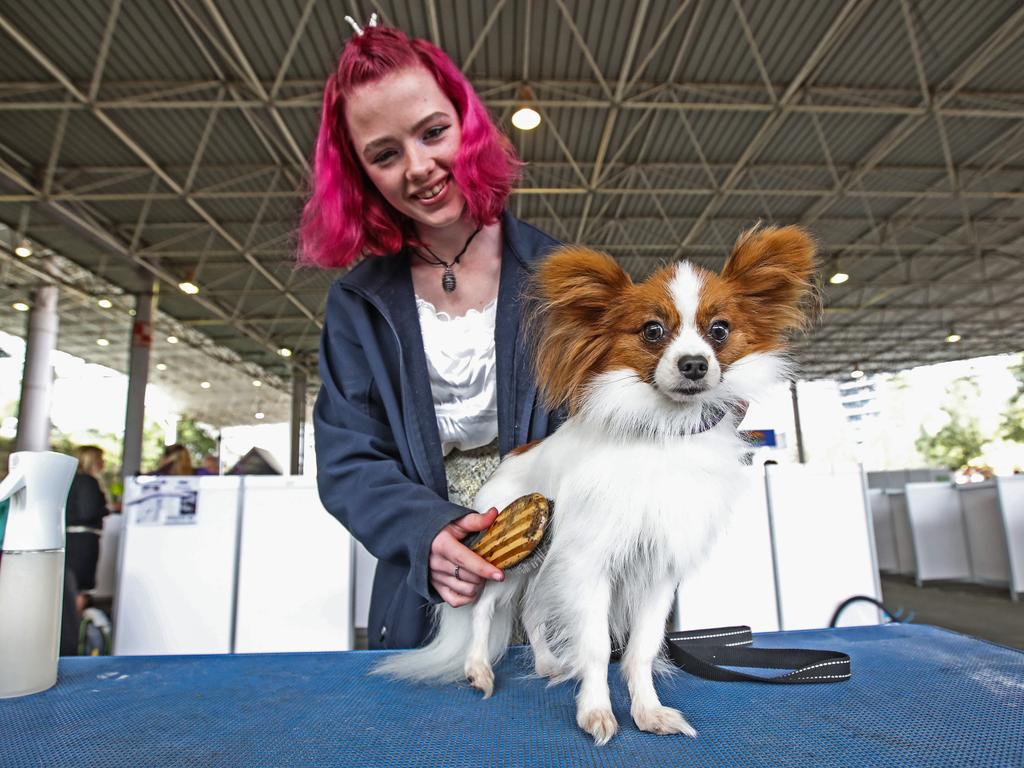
(773, 269)
(578, 282)
(571, 293)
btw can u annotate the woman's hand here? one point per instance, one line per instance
(456, 571)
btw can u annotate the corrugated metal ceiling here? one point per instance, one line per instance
(891, 128)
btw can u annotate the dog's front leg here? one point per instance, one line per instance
(593, 646)
(646, 636)
(492, 624)
(478, 664)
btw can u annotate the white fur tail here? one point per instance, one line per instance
(443, 659)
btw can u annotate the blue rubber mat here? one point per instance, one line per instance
(919, 697)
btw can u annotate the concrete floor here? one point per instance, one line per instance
(985, 612)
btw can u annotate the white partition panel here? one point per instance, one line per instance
(110, 552)
(885, 532)
(986, 537)
(295, 570)
(176, 582)
(366, 567)
(735, 584)
(823, 543)
(905, 558)
(940, 545)
(1011, 503)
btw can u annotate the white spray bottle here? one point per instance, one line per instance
(32, 570)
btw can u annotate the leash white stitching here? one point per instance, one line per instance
(706, 637)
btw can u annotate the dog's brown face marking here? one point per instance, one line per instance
(596, 319)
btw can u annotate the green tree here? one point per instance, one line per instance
(152, 445)
(960, 439)
(196, 437)
(1012, 426)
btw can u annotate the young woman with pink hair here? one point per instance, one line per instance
(426, 378)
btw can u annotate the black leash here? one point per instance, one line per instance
(893, 616)
(708, 653)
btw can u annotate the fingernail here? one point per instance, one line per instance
(498, 576)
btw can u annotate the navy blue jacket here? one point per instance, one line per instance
(380, 469)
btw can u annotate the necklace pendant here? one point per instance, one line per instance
(448, 280)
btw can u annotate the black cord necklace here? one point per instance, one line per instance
(448, 278)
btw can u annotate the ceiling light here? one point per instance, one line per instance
(953, 337)
(188, 284)
(103, 342)
(161, 366)
(260, 414)
(204, 384)
(257, 383)
(525, 118)
(23, 249)
(284, 352)
(856, 373)
(21, 306)
(839, 278)
(172, 339)
(105, 303)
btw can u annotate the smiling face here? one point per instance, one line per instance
(406, 134)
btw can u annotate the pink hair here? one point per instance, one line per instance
(345, 216)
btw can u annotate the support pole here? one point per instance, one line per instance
(796, 420)
(138, 376)
(37, 374)
(298, 420)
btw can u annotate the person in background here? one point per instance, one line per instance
(427, 376)
(209, 465)
(175, 461)
(86, 507)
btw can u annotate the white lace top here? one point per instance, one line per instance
(463, 381)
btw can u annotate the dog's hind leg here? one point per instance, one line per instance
(545, 663)
(492, 625)
(647, 633)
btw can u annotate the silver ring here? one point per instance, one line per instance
(457, 567)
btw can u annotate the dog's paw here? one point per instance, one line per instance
(662, 720)
(599, 723)
(480, 676)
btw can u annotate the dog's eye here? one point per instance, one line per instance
(719, 331)
(653, 331)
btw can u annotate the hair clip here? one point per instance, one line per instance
(359, 30)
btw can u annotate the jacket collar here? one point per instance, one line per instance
(387, 282)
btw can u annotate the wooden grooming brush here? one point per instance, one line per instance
(515, 537)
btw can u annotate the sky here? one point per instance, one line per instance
(88, 396)
(905, 401)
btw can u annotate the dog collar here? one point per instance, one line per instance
(710, 417)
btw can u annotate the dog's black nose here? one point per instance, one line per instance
(693, 367)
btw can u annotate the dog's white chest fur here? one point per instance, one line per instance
(637, 503)
(625, 507)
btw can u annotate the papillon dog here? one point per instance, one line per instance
(654, 377)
